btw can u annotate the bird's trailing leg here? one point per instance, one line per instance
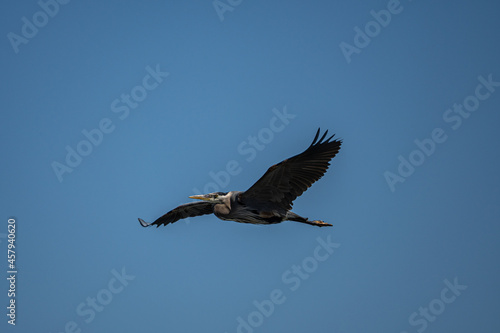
(290, 216)
(319, 223)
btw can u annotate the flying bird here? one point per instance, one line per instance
(270, 199)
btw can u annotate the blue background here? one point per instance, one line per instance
(226, 75)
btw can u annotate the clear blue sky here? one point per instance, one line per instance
(118, 110)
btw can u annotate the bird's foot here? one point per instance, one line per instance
(320, 223)
(144, 223)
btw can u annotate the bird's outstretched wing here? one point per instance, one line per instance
(183, 211)
(285, 181)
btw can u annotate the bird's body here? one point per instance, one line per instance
(269, 200)
(233, 208)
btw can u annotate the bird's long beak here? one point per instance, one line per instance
(200, 197)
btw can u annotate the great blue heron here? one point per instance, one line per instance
(270, 199)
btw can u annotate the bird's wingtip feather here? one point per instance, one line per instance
(144, 223)
(315, 137)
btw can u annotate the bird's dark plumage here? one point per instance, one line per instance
(285, 181)
(270, 199)
(183, 211)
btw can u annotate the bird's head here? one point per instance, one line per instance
(215, 197)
